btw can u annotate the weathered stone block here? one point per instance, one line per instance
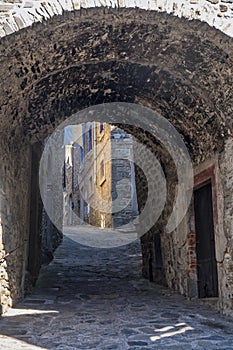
(223, 8)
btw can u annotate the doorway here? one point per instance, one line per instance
(205, 242)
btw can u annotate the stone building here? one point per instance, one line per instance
(96, 173)
(58, 58)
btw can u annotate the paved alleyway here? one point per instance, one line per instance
(92, 298)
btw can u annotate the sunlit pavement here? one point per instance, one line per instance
(100, 238)
(90, 298)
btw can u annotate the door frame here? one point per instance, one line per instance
(203, 178)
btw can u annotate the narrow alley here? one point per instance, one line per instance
(90, 298)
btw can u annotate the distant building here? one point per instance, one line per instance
(99, 179)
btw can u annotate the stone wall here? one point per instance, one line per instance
(15, 15)
(159, 260)
(14, 214)
(50, 186)
(103, 177)
(226, 172)
(170, 259)
(123, 178)
(95, 176)
(23, 233)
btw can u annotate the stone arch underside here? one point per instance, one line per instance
(181, 69)
(16, 15)
(178, 67)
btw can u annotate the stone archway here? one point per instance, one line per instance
(180, 69)
(21, 14)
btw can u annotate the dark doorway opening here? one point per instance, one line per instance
(205, 242)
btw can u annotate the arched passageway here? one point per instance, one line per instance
(180, 69)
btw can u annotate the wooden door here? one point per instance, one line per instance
(205, 243)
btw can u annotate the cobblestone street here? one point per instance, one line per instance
(90, 298)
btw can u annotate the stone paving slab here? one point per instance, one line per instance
(90, 298)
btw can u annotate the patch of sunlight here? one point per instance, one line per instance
(18, 312)
(12, 343)
(164, 329)
(135, 255)
(171, 334)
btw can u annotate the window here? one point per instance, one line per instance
(102, 169)
(81, 155)
(90, 139)
(102, 172)
(101, 127)
(81, 193)
(90, 186)
(83, 138)
(64, 175)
